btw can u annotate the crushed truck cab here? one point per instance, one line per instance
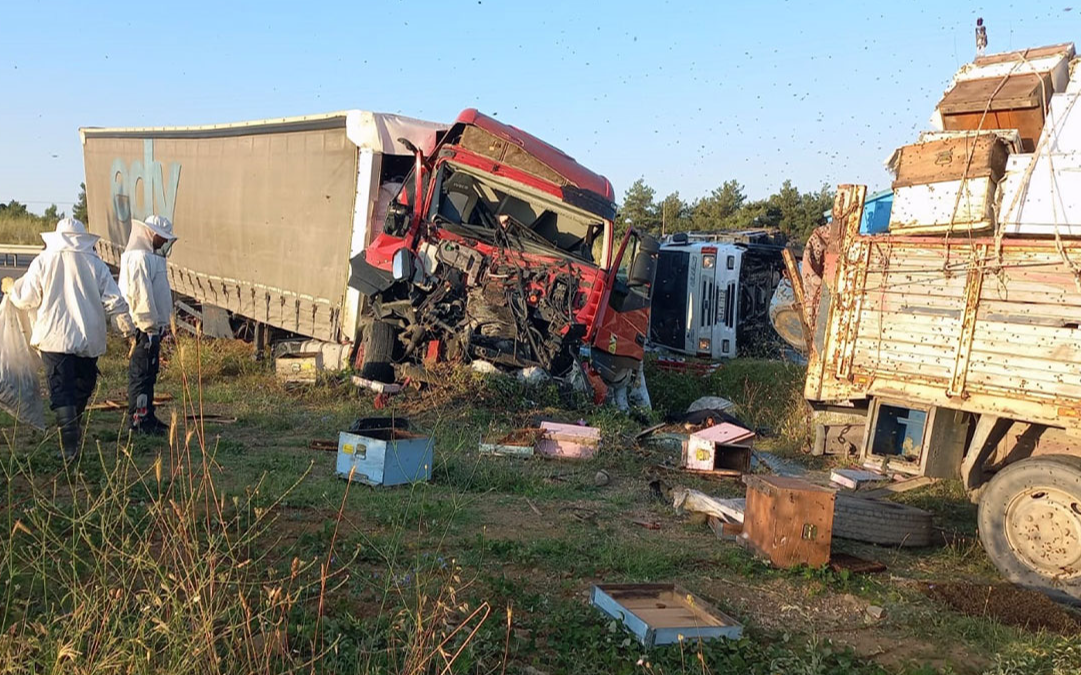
(499, 247)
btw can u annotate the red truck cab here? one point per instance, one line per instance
(501, 247)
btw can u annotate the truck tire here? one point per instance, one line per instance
(881, 522)
(1030, 525)
(380, 341)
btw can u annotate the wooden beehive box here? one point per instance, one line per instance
(568, 441)
(663, 614)
(788, 521)
(389, 456)
(518, 443)
(947, 183)
(725, 447)
(989, 103)
(299, 368)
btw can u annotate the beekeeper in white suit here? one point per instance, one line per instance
(70, 291)
(144, 281)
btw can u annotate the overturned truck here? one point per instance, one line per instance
(387, 239)
(952, 341)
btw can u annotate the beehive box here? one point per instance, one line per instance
(299, 368)
(788, 521)
(725, 447)
(947, 184)
(1018, 102)
(568, 441)
(663, 614)
(386, 457)
(518, 443)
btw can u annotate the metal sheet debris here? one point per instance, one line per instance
(568, 441)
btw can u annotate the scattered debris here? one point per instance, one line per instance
(709, 411)
(518, 443)
(729, 510)
(875, 612)
(299, 367)
(725, 530)
(855, 478)
(601, 478)
(663, 614)
(1006, 604)
(323, 444)
(568, 441)
(533, 507)
(581, 514)
(648, 524)
(111, 404)
(725, 447)
(207, 418)
(844, 562)
(390, 456)
(788, 521)
(778, 465)
(658, 490)
(904, 485)
(648, 431)
(377, 387)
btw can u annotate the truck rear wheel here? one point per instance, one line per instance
(380, 342)
(1030, 525)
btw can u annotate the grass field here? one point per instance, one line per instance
(23, 228)
(234, 548)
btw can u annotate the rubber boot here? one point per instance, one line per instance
(67, 423)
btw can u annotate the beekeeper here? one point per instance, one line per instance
(69, 291)
(144, 281)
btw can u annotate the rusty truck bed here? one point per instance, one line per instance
(970, 323)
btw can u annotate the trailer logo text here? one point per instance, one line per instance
(142, 189)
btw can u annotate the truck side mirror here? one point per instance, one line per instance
(644, 265)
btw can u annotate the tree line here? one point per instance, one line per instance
(727, 207)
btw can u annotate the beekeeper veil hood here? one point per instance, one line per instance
(143, 232)
(70, 235)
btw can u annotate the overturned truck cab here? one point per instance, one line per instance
(501, 248)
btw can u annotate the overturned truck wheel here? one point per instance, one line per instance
(380, 344)
(1030, 525)
(881, 522)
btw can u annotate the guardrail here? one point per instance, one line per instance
(16, 255)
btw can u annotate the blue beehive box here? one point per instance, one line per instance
(385, 457)
(876, 213)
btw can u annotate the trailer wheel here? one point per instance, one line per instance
(380, 341)
(1030, 525)
(881, 522)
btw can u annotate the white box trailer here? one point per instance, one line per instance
(269, 213)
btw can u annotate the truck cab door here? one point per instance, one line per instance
(620, 336)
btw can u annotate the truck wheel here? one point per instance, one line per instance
(380, 341)
(881, 522)
(1030, 525)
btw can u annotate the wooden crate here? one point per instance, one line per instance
(663, 614)
(1019, 103)
(568, 441)
(947, 159)
(788, 521)
(299, 368)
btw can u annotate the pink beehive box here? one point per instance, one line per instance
(569, 441)
(725, 447)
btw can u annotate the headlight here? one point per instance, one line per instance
(708, 261)
(402, 267)
(703, 344)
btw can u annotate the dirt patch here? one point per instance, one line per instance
(1006, 604)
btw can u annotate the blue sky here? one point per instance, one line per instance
(684, 94)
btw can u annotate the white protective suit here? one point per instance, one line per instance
(144, 276)
(70, 290)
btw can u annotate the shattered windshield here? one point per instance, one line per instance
(485, 208)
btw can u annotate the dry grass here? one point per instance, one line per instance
(23, 228)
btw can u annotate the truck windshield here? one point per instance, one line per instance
(487, 208)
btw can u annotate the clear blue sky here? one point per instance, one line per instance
(684, 94)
